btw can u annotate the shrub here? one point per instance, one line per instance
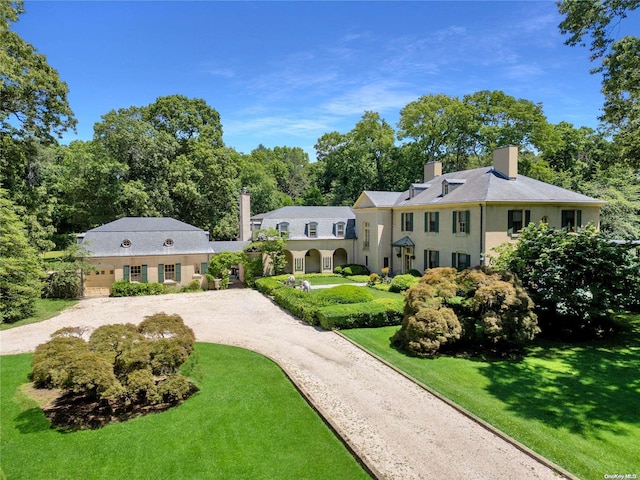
(400, 283)
(352, 269)
(299, 303)
(476, 308)
(415, 273)
(194, 286)
(346, 294)
(379, 313)
(426, 331)
(577, 280)
(374, 279)
(124, 288)
(268, 285)
(338, 270)
(121, 364)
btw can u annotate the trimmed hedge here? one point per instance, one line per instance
(346, 294)
(124, 288)
(351, 269)
(299, 303)
(379, 313)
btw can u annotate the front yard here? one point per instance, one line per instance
(575, 404)
(247, 421)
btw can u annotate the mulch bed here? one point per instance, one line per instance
(71, 411)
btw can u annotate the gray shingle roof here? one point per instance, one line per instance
(299, 217)
(145, 236)
(482, 185)
(227, 246)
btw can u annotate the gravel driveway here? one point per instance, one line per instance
(399, 430)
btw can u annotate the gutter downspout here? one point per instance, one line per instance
(391, 246)
(481, 236)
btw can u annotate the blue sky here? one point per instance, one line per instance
(285, 73)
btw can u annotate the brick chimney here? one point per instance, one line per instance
(432, 170)
(245, 215)
(505, 161)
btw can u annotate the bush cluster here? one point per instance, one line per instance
(342, 306)
(474, 308)
(400, 283)
(577, 280)
(124, 288)
(121, 364)
(351, 269)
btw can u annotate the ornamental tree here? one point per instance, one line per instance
(578, 281)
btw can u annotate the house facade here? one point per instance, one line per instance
(457, 219)
(449, 220)
(318, 238)
(144, 250)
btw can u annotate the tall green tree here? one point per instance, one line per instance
(592, 22)
(20, 271)
(34, 110)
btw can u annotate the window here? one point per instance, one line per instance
(126, 243)
(299, 266)
(312, 229)
(517, 220)
(431, 222)
(431, 259)
(169, 272)
(406, 222)
(460, 260)
(135, 273)
(340, 230)
(326, 263)
(461, 222)
(366, 235)
(571, 219)
(385, 262)
(283, 228)
(168, 242)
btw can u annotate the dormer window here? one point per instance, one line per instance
(283, 228)
(126, 243)
(451, 184)
(312, 229)
(340, 229)
(168, 242)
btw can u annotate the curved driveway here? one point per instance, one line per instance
(399, 430)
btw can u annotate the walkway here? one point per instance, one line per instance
(398, 429)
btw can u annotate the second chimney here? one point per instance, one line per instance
(432, 170)
(505, 161)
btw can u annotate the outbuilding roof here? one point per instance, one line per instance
(144, 236)
(298, 218)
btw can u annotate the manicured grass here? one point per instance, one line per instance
(577, 405)
(247, 421)
(45, 309)
(324, 279)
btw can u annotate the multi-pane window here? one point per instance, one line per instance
(366, 234)
(431, 259)
(431, 222)
(135, 273)
(299, 264)
(169, 272)
(460, 260)
(340, 230)
(406, 222)
(326, 263)
(283, 228)
(517, 220)
(461, 222)
(313, 230)
(571, 219)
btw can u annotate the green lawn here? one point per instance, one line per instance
(577, 405)
(247, 422)
(45, 309)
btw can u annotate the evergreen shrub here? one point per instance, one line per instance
(346, 294)
(379, 313)
(400, 283)
(352, 269)
(124, 288)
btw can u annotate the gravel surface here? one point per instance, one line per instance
(399, 430)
